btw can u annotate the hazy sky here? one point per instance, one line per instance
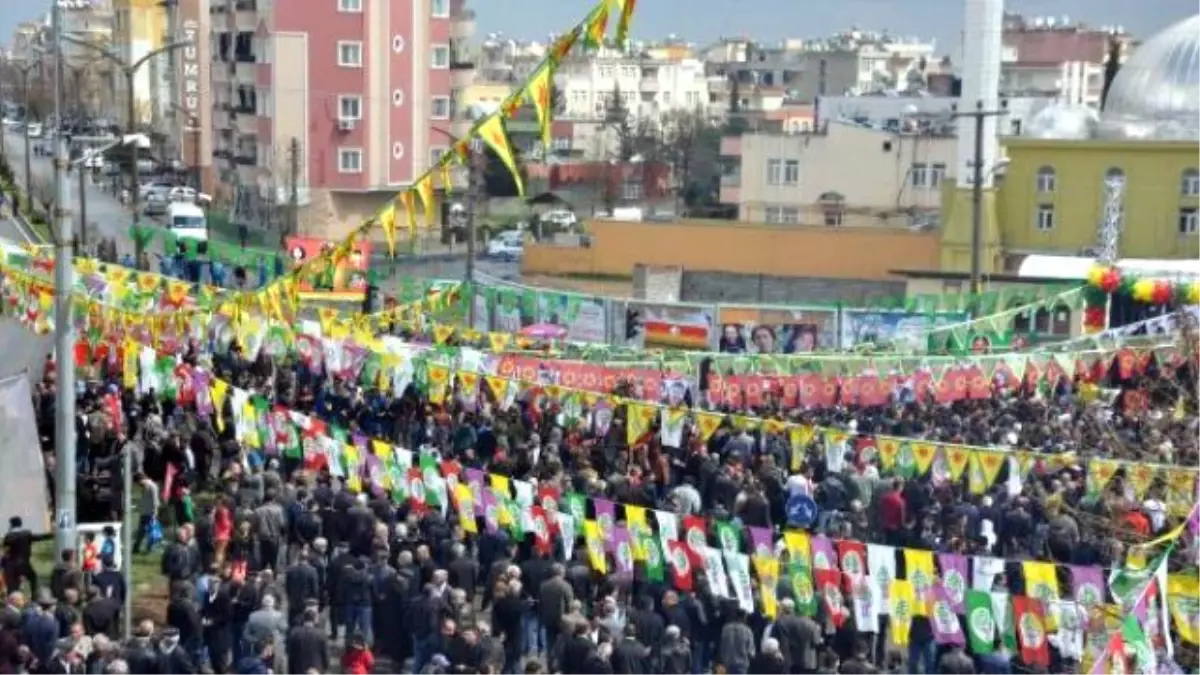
(703, 20)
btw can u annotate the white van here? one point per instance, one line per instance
(187, 221)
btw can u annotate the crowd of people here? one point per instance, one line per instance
(273, 565)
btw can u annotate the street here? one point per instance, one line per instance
(105, 215)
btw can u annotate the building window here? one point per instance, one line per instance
(918, 175)
(398, 97)
(774, 172)
(833, 217)
(435, 155)
(790, 215)
(561, 143)
(439, 9)
(441, 107)
(631, 190)
(1045, 218)
(773, 215)
(349, 160)
(606, 71)
(349, 107)
(349, 5)
(791, 172)
(349, 53)
(1187, 220)
(937, 173)
(1046, 180)
(1190, 186)
(441, 57)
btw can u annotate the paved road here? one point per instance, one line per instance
(105, 215)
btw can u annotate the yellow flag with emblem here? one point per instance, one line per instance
(956, 459)
(595, 546)
(1182, 593)
(707, 424)
(901, 605)
(800, 436)
(923, 455)
(918, 566)
(639, 418)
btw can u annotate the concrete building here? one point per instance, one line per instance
(843, 175)
(1052, 56)
(140, 27)
(649, 88)
(360, 90)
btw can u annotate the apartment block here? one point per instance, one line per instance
(355, 93)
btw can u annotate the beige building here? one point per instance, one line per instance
(841, 175)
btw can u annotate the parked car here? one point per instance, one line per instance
(34, 130)
(507, 246)
(156, 204)
(155, 187)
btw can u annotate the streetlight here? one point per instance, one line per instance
(130, 70)
(473, 183)
(130, 139)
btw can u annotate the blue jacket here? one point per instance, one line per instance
(252, 665)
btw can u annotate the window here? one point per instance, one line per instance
(435, 155)
(349, 160)
(1187, 220)
(693, 99)
(774, 172)
(666, 98)
(349, 53)
(833, 217)
(1046, 180)
(441, 57)
(791, 172)
(790, 215)
(774, 215)
(349, 107)
(1190, 186)
(918, 175)
(349, 5)
(631, 190)
(561, 143)
(1114, 174)
(606, 71)
(439, 9)
(1045, 218)
(398, 97)
(937, 173)
(441, 107)
(629, 72)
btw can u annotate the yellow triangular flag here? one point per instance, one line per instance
(492, 132)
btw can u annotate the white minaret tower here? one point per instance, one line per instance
(982, 30)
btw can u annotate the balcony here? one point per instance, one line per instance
(731, 146)
(648, 85)
(462, 24)
(246, 72)
(461, 78)
(247, 123)
(731, 194)
(246, 159)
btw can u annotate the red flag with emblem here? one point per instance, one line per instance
(542, 530)
(829, 589)
(416, 490)
(695, 537)
(681, 565)
(1031, 630)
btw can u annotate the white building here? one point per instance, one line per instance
(649, 88)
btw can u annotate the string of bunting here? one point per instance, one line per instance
(1106, 281)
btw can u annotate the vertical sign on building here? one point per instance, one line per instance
(190, 97)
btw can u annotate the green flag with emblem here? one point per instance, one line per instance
(981, 622)
(803, 591)
(654, 558)
(431, 475)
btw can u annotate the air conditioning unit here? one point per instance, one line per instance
(345, 125)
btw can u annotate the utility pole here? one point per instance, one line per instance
(28, 164)
(978, 172)
(475, 182)
(293, 216)
(64, 326)
(82, 171)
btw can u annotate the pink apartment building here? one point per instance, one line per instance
(361, 91)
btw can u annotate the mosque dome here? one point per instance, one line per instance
(1156, 93)
(1067, 122)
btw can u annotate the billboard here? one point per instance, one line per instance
(345, 281)
(650, 325)
(584, 317)
(905, 331)
(755, 330)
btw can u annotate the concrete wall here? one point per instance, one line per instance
(616, 247)
(708, 286)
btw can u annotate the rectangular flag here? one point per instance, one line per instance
(901, 599)
(943, 619)
(1029, 619)
(981, 622)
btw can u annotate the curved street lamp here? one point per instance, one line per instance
(129, 70)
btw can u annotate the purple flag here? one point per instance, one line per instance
(954, 579)
(622, 551)
(823, 556)
(943, 619)
(1088, 585)
(204, 402)
(761, 540)
(606, 518)
(475, 482)
(491, 511)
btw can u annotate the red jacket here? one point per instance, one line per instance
(892, 511)
(358, 661)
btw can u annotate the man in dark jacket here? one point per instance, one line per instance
(183, 616)
(173, 658)
(630, 656)
(140, 654)
(356, 598)
(554, 601)
(300, 584)
(307, 648)
(40, 628)
(577, 651)
(342, 561)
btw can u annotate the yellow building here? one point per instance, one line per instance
(1052, 199)
(1051, 195)
(140, 27)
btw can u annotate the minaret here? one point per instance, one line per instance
(983, 26)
